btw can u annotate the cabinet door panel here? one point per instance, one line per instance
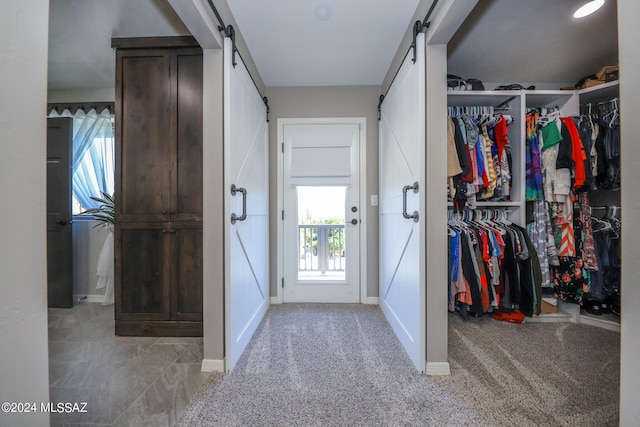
(159, 191)
(142, 291)
(187, 280)
(187, 199)
(142, 135)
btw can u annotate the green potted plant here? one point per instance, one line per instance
(105, 213)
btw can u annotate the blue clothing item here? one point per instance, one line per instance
(455, 255)
(480, 160)
(496, 251)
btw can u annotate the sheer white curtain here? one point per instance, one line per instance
(93, 154)
(93, 174)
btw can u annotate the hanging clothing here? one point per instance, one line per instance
(453, 162)
(533, 163)
(537, 230)
(551, 137)
(577, 153)
(499, 265)
(484, 156)
(571, 278)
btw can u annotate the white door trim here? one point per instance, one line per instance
(362, 123)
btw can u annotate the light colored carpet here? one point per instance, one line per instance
(341, 365)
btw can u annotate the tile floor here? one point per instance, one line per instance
(125, 381)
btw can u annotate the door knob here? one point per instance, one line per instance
(354, 221)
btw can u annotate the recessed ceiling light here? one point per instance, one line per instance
(588, 8)
(322, 12)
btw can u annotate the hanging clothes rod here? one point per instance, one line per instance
(601, 107)
(230, 32)
(505, 104)
(418, 27)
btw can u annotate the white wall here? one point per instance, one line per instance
(24, 374)
(96, 95)
(213, 211)
(628, 36)
(315, 102)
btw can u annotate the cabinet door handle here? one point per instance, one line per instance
(416, 215)
(243, 191)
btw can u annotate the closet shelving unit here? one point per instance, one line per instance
(603, 92)
(594, 95)
(508, 103)
(567, 101)
(515, 103)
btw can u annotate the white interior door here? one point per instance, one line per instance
(246, 208)
(321, 213)
(402, 206)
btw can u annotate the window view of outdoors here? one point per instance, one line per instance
(321, 239)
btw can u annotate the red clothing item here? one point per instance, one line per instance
(577, 153)
(501, 134)
(516, 316)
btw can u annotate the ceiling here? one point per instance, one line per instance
(80, 31)
(504, 41)
(323, 42)
(346, 42)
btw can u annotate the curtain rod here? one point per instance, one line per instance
(230, 32)
(418, 27)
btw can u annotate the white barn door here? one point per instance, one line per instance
(246, 202)
(402, 206)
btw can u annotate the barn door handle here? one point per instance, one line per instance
(242, 217)
(415, 216)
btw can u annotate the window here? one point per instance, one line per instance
(93, 156)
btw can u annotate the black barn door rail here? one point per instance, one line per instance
(230, 32)
(418, 27)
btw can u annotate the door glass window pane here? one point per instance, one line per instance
(321, 233)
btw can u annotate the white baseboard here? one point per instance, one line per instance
(89, 298)
(438, 368)
(600, 323)
(551, 318)
(366, 300)
(212, 365)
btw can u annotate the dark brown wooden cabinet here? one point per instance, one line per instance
(158, 255)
